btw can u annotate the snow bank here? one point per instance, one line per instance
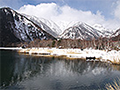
(112, 56)
(10, 48)
(102, 55)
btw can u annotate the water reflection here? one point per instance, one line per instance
(41, 73)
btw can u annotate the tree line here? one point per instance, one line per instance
(101, 43)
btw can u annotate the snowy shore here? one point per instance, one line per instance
(10, 48)
(112, 56)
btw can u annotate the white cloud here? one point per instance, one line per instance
(66, 14)
(41, 10)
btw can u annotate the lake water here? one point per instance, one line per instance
(24, 72)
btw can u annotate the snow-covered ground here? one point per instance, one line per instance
(112, 56)
(102, 55)
(10, 48)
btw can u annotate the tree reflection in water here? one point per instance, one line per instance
(53, 73)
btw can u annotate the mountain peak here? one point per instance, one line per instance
(15, 27)
(8, 8)
(83, 31)
(51, 27)
(80, 31)
(78, 23)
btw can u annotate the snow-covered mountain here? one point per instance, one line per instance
(15, 27)
(106, 32)
(47, 25)
(116, 36)
(64, 25)
(83, 31)
(99, 27)
(79, 31)
(116, 33)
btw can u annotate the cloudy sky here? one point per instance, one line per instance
(103, 12)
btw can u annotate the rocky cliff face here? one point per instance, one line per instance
(15, 27)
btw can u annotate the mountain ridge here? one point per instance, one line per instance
(49, 26)
(17, 27)
(83, 31)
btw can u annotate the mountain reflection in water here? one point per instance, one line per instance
(42, 73)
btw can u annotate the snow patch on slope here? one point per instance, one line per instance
(47, 25)
(105, 32)
(99, 27)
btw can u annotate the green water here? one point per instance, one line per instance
(24, 72)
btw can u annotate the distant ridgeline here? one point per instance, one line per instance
(17, 30)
